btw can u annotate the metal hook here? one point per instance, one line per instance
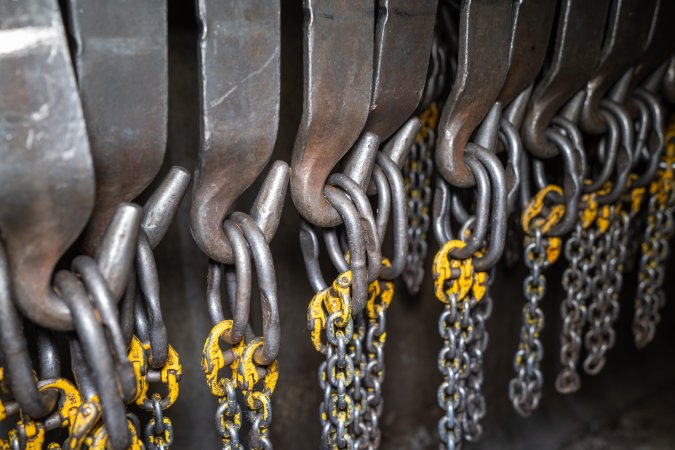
(577, 48)
(476, 85)
(41, 115)
(333, 66)
(93, 340)
(124, 98)
(403, 36)
(239, 49)
(627, 31)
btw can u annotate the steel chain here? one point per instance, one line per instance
(581, 254)
(526, 388)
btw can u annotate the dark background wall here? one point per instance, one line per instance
(410, 415)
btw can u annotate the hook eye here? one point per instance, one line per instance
(476, 87)
(106, 307)
(657, 119)
(627, 32)
(309, 245)
(442, 211)
(572, 183)
(93, 340)
(482, 211)
(240, 302)
(510, 137)
(267, 283)
(332, 66)
(355, 239)
(239, 70)
(624, 158)
(124, 97)
(607, 152)
(16, 358)
(578, 41)
(498, 214)
(365, 211)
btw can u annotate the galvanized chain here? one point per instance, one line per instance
(604, 307)
(475, 400)
(650, 298)
(224, 388)
(580, 253)
(257, 392)
(228, 417)
(331, 311)
(159, 430)
(526, 388)
(453, 281)
(380, 295)
(417, 175)
(358, 388)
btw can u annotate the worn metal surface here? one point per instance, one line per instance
(484, 31)
(332, 68)
(578, 41)
(41, 128)
(625, 37)
(403, 36)
(120, 57)
(409, 420)
(239, 49)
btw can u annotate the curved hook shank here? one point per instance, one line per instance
(577, 47)
(530, 35)
(627, 32)
(485, 27)
(402, 44)
(338, 61)
(121, 60)
(239, 48)
(46, 174)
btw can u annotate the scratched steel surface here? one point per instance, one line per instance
(410, 415)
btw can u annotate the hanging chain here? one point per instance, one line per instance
(453, 282)
(228, 414)
(331, 310)
(650, 298)
(257, 392)
(417, 175)
(580, 252)
(525, 389)
(481, 310)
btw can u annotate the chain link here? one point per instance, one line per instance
(525, 388)
(581, 254)
(650, 298)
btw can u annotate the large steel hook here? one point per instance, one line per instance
(483, 63)
(239, 48)
(577, 48)
(121, 62)
(42, 122)
(338, 62)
